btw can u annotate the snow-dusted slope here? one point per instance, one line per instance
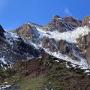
(59, 38)
(69, 37)
(11, 37)
(13, 48)
(62, 45)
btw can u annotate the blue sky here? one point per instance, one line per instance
(14, 13)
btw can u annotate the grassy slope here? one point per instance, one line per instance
(36, 83)
(57, 77)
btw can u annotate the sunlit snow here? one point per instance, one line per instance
(3, 60)
(69, 36)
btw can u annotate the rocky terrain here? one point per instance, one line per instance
(65, 38)
(62, 47)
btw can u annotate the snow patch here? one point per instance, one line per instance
(3, 60)
(2, 87)
(70, 36)
(89, 22)
(82, 63)
(10, 37)
(41, 32)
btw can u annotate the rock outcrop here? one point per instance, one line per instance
(86, 21)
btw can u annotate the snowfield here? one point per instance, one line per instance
(69, 36)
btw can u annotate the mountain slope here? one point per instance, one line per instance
(64, 38)
(57, 54)
(13, 48)
(62, 44)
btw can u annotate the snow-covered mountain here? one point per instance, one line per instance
(64, 38)
(13, 48)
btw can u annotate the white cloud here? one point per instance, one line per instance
(67, 11)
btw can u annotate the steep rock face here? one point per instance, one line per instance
(84, 45)
(64, 24)
(72, 21)
(84, 41)
(1, 31)
(27, 32)
(55, 46)
(64, 48)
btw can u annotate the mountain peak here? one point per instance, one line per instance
(64, 24)
(57, 17)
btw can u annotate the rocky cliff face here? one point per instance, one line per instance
(84, 41)
(84, 45)
(64, 24)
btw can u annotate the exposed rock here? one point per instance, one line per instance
(64, 24)
(72, 21)
(25, 30)
(84, 45)
(86, 21)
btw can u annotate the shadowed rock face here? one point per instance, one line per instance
(1, 31)
(84, 45)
